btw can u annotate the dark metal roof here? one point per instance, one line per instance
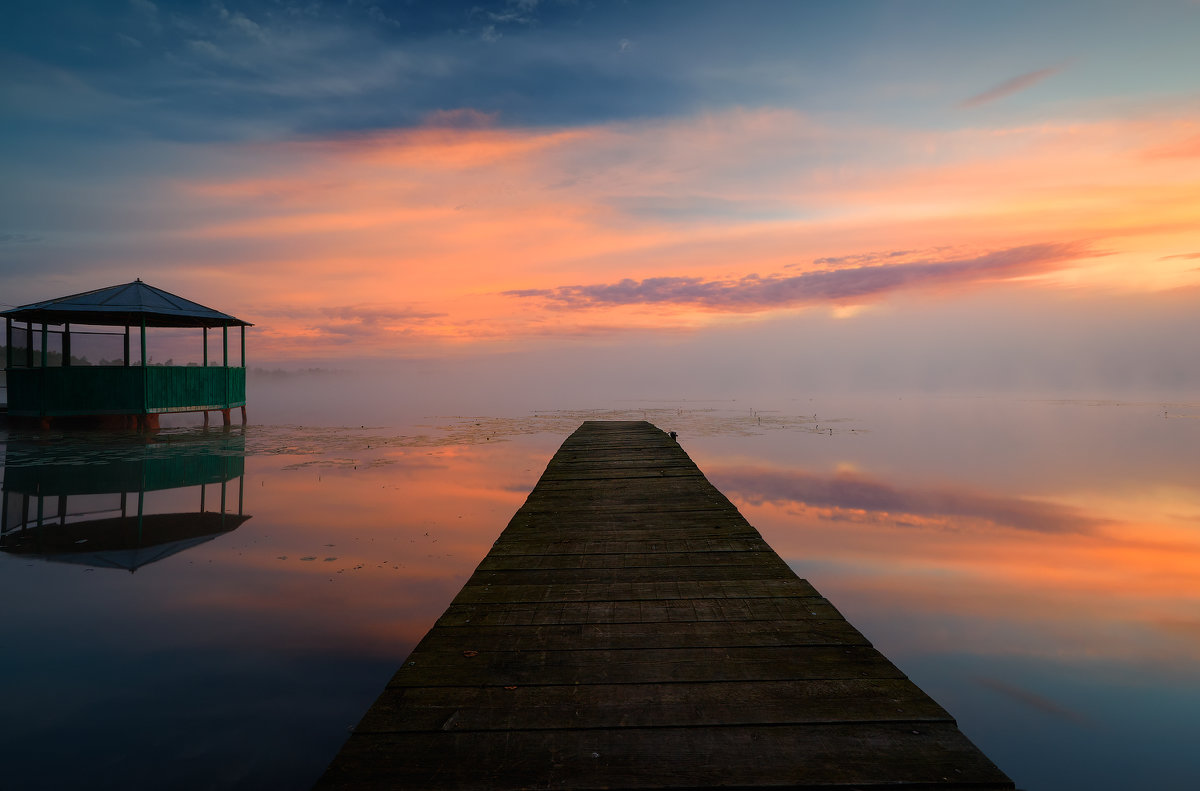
(127, 304)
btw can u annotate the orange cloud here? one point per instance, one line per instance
(724, 211)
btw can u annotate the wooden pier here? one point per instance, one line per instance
(631, 630)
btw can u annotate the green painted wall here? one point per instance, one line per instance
(117, 390)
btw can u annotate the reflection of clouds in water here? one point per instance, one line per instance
(858, 493)
(1035, 701)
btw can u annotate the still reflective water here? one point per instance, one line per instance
(215, 608)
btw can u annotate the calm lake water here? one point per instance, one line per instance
(1033, 564)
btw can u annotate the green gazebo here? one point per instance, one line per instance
(121, 391)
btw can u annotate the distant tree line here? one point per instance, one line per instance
(53, 358)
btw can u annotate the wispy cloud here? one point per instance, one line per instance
(377, 324)
(371, 315)
(1010, 86)
(848, 285)
(18, 238)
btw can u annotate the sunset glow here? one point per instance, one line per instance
(420, 225)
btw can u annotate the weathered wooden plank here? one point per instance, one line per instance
(639, 541)
(629, 560)
(640, 665)
(629, 629)
(719, 703)
(607, 634)
(626, 591)
(621, 574)
(699, 610)
(858, 755)
(605, 537)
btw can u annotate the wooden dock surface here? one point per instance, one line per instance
(631, 630)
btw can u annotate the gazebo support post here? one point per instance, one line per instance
(125, 359)
(205, 347)
(29, 344)
(8, 349)
(143, 419)
(243, 359)
(66, 344)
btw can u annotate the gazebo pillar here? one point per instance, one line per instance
(66, 344)
(143, 421)
(8, 350)
(125, 358)
(225, 412)
(205, 346)
(243, 359)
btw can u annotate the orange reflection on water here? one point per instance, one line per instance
(1015, 574)
(360, 552)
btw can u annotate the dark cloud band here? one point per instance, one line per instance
(754, 292)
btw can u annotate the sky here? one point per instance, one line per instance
(929, 195)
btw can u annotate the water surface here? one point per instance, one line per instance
(1032, 564)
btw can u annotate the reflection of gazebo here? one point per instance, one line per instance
(38, 388)
(94, 514)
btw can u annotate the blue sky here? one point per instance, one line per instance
(216, 70)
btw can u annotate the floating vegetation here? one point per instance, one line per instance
(343, 447)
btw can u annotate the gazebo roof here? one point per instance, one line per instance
(126, 304)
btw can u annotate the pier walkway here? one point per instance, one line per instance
(631, 630)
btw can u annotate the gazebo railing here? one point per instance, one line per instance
(120, 390)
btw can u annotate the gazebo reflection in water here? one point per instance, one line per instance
(89, 505)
